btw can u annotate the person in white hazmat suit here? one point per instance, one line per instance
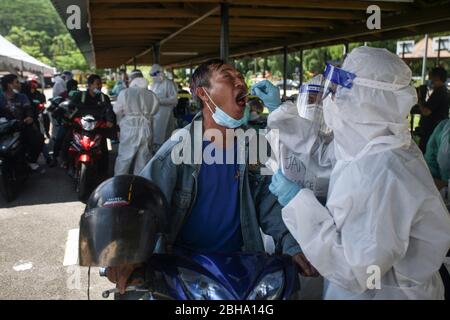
(304, 143)
(303, 150)
(384, 231)
(135, 109)
(167, 93)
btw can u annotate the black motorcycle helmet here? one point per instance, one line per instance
(121, 222)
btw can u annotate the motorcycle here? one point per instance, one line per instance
(85, 152)
(186, 275)
(13, 166)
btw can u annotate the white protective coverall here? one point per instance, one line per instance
(59, 87)
(304, 156)
(384, 231)
(164, 120)
(135, 109)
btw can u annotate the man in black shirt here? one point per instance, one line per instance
(436, 108)
(94, 102)
(17, 106)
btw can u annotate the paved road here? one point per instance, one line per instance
(34, 233)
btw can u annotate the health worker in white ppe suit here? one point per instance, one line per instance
(303, 143)
(135, 109)
(384, 231)
(303, 147)
(167, 93)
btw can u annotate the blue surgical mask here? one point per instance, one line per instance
(97, 91)
(225, 120)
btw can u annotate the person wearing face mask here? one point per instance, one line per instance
(94, 102)
(304, 142)
(384, 231)
(436, 108)
(304, 145)
(135, 109)
(217, 207)
(17, 106)
(166, 91)
(121, 84)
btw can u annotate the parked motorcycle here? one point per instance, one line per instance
(13, 166)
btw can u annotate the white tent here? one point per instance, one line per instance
(13, 58)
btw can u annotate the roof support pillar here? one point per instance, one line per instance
(224, 31)
(265, 67)
(301, 67)
(156, 54)
(346, 49)
(438, 60)
(285, 70)
(424, 61)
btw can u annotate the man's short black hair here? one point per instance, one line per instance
(8, 79)
(91, 79)
(439, 72)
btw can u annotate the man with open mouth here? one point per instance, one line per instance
(218, 207)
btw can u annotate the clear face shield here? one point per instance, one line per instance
(309, 104)
(336, 79)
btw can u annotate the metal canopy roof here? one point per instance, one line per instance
(188, 32)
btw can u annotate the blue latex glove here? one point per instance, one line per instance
(268, 93)
(283, 188)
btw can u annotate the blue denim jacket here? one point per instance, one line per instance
(258, 207)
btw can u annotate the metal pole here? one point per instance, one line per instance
(224, 31)
(424, 61)
(403, 50)
(42, 82)
(256, 66)
(156, 54)
(285, 71)
(265, 67)
(439, 53)
(345, 49)
(135, 63)
(301, 67)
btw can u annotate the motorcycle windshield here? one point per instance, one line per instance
(238, 273)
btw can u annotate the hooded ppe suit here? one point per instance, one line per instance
(60, 88)
(166, 91)
(304, 156)
(135, 109)
(384, 231)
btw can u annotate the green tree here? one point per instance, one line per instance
(37, 15)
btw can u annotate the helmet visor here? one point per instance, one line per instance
(117, 236)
